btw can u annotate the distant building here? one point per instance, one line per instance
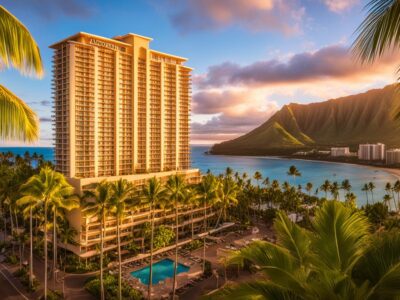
(340, 151)
(371, 151)
(392, 156)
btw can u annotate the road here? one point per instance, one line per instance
(9, 288)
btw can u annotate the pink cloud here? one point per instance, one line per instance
(340, 5)
(258, 15)
(332, 62)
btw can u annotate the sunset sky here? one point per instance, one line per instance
(250, 56)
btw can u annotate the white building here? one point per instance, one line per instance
(371, 151)
(392, 156)
(340, 151)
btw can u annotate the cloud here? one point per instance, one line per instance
(45, 119)
(331, 62)
(40, 102)
(52, 9)
(283, 16)
(340, 5)
(235, 113)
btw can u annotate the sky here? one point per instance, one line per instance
(250, 57)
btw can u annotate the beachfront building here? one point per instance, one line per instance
(371, 151)
(121, 110)
(340, 151)
(393, 156)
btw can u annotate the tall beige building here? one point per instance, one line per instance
(121, 109)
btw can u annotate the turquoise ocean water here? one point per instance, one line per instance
(274, 168)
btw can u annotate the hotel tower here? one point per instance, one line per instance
(121, 110)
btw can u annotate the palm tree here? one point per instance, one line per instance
(176, 187)
(396, 189)
(371, 187)
(390, 190)
(309, 187)
(17, 49)
(99, 203)
(122, 192)
(207, 190)
(386, 200)
(227, 196)
(152, 194)
(257, 176)
(191, 199)
(350, 200)
(338, 259)
(29, 203)
(67, 236)
(294, 172)
(57, 204)
(335, 190)
(325, 187)
(365, 189)
(46, 187)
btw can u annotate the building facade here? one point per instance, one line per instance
(121, 108)
(340, 151)
(371, 151)
(393, 156)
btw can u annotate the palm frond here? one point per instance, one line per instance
(379, 32)
(17, 120)
(380, 266)
(276, 262)
(256, 290)
(340, 236)
(292, 237)
(17, 47)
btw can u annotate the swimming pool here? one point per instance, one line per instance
(161, 270)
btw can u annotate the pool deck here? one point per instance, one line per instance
(163, 288)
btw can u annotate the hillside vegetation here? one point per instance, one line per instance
(351, 120)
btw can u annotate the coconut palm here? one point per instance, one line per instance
(176, 187)
(335, 190)
(67, 235)
(390, 190)
(191, 199)
(386, 200)
(350, 200)
(365, 189)
(325, 187)
(19, 50)
(29, 204)
(152, 194)
(371, 187)
(58, 206)
(122, 193)
(294, 172)
(46, 187)
(227, 196)
(309, 187)
(396, 189)
(98, 203)
(207, 190)
(338, 259)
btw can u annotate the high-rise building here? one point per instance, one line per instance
(371, 151)
(340, 151)
(393, 156)
(121, 109)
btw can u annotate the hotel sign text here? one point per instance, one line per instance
(107, 45)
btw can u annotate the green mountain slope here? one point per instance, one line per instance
(351, 120)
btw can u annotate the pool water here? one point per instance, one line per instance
(161, 270)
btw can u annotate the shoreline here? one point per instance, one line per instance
(391, 170)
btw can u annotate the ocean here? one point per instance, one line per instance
(275, 168)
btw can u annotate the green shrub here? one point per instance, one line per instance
(53, 295)
(11, 259)
(111, 288)
(193, 245)
(23, 276)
